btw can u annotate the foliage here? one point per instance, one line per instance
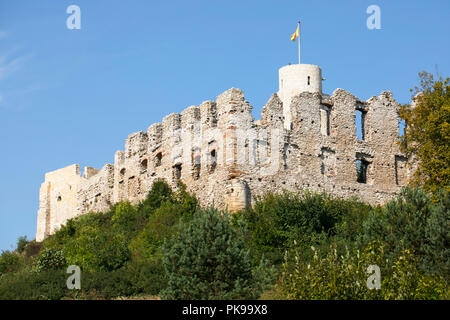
(125, 218)
(168, 246)
(29, 285)
(160, 226)
(160, 192)
(276, 220)
(147, 277)
(427, 134)
(207, 259)
(106, 284)
(32, 249)
(21, 244)
(97, 249)
(437, 233)
(413, 221)
(50, 259)
(332, 276)
(9, 262)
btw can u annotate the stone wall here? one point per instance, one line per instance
(227, 158)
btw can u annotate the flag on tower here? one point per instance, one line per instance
(296, 33)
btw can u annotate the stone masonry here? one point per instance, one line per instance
(304, 140)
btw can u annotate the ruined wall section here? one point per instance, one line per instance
(320, 151)
(227, 158)
(131, 169)
(95, 192)
(58, 199)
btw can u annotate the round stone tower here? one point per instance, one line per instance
(294, 79)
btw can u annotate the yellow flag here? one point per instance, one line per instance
(296, 33)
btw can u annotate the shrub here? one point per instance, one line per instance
(32, 249)
(21, 243)
(413, 221)
(147, 277)
(160, 226)
(50, 259)
(97, 249)
(28, 285)
(207, 260)
(437, 233)
(159, 193)
(276, 220)
(125, 219)
(106, 284)
(332, 276)
(9, 262)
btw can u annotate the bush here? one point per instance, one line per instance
(147, 277)
(159, 193)
(276, 220)
(125, 219)
(21, 243)
(160, 226)
(106, 284)
(32, 249)
(28, 285)
(9, 262)
(332, 276)
(413, 221)
(436, 248)
(50, 259)
(207, 260)
(97, 249)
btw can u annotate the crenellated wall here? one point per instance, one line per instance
(225, 157)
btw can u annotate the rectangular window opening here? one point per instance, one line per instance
(401, 128)
(177, 171)
(196, 168)
(401, 170)
(361, 170)
(158, 159)
(360, 120)
(325, 120)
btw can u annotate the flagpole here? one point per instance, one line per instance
(299, 42)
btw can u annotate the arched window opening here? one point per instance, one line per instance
(144, 164)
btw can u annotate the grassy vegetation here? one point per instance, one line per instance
(287, 246)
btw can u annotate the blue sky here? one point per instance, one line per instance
(73, 96)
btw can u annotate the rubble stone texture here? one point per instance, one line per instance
(304, 140)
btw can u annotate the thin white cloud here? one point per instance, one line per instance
(10, 65)
(17, 99)
(3, 34)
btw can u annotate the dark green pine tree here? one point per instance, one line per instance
(207, 260)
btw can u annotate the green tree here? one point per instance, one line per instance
(413, 222)
(9, 262)
(97, 249)
(21, 243)
(427, 134)
(207, 260)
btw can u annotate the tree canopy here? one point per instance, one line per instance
(427, 132)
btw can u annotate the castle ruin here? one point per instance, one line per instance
(304, 140)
